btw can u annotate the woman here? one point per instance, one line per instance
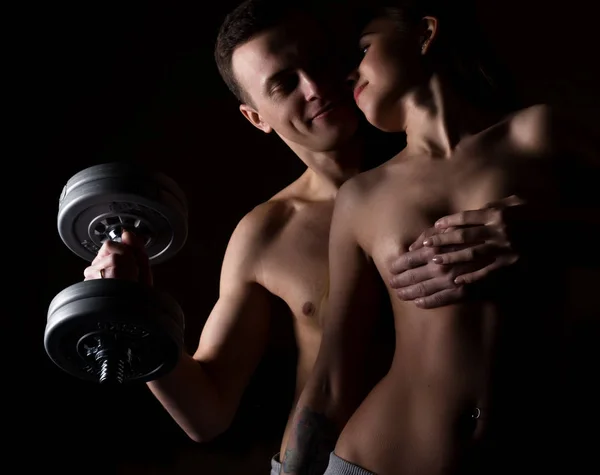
(473, 387)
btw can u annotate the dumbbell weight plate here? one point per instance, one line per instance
(146, 326)
(98, 202)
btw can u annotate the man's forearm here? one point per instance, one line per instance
(311, 441)
(192, 399)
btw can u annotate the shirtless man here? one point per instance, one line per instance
(275, 60)
(485, 386)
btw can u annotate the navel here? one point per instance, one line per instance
(468, 421)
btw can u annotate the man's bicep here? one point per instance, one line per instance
(236, 332)
(237, 328)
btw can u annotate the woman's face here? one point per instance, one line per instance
(389, 70)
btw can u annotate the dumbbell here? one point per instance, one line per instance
(113, 330)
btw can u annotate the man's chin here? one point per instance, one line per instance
(340, 129)
(327, 138)
(338, 140)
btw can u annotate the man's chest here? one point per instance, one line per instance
(295, 265)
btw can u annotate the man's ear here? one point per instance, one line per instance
(255, 118)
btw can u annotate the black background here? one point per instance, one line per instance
(97, 82)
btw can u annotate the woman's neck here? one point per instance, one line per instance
(438, 118)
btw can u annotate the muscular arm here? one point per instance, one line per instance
(203, 392)
(336, 386)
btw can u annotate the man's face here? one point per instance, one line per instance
(296, 87)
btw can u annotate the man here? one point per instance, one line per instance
(489, 385)
(276, 59)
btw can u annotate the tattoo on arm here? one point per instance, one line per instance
(312, 440)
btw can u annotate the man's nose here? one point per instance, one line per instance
(315, 88)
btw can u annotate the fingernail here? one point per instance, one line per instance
(437, 259)
(418, 302)
(410, 248)
(427, 242)
(439, 224)
(458, 281)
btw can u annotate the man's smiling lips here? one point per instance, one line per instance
(324, 111)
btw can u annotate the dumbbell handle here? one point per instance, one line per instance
(116, 232)
(110, 356)
(112, 366)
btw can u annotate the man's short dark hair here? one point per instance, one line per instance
(247, 20)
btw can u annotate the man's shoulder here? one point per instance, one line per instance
(262, 223)
(540, 128)
(547, 130)
(250, 240)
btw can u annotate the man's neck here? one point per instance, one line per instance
(328, 171)
(438, 119)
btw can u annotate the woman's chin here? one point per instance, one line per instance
(381, 123)
(369, 110)
(384, 120)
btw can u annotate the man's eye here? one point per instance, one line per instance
(285, 85)
(364, 49)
